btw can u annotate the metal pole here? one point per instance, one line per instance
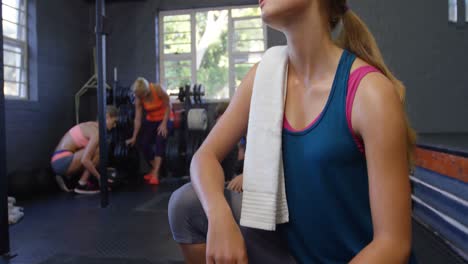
(101, 91)
(4, 230)
(115, 88)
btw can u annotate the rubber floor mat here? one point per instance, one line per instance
(67, 259)
(157, 204)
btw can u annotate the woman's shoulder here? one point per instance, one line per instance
(372, 75)
(375, 93)
(155, 86)
(157, 89)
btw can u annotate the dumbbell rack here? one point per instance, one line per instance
(183, 144)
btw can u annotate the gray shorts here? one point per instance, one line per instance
(189, 225)
(62, 165)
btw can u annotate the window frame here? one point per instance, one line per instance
(192, 56)
(466, 11)
(23, 45)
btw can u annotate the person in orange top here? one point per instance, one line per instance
(155, 126)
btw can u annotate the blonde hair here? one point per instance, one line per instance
(356, 37)
(141, 85)
(112, 111)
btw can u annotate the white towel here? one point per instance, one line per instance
(15, 214)
(264, 202)
(11, 200)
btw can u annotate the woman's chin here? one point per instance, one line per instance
(271, 19)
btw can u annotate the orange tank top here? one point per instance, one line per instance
(155, 109)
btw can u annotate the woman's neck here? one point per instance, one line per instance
(312, 53)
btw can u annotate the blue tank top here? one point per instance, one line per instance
(327, 184)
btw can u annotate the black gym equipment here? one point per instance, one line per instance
(4, 230)
(183, 144)
(123, 158)
(190, 95)
(115, 178)
(101, 33)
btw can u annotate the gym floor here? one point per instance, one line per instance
(72, 229)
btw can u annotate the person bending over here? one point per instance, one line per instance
(78, 151)
(153, 131)
(346, 148)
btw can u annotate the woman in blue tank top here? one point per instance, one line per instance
(346, 146)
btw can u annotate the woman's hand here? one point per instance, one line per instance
(225, 243)
(131, 142)
(236, 184)
(162, 129)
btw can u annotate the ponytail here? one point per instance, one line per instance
(356, 38)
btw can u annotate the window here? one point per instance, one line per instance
(466, 11)
(213, 47)
(453, 11)
(15, 49)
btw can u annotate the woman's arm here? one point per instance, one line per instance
(378, 117)
(89, 152)
(137, 121)
(208, 180)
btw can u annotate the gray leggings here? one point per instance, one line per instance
(189, 225)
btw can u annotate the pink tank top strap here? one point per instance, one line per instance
(354, 80)
(77, 134)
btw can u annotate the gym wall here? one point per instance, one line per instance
(62, 56)
(131, 46)
(430, 56)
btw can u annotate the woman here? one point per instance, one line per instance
(78, 151)
(155, 101)
(358, 213)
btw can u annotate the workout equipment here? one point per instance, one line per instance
(101, 35)
(194, 142)
(190, 93)
(197, 119)
(90, 84)
(115, 178)
(123, 96)
(175, 155)
(191, 125)
(124, 159)
(124, 129)
(178, 119)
